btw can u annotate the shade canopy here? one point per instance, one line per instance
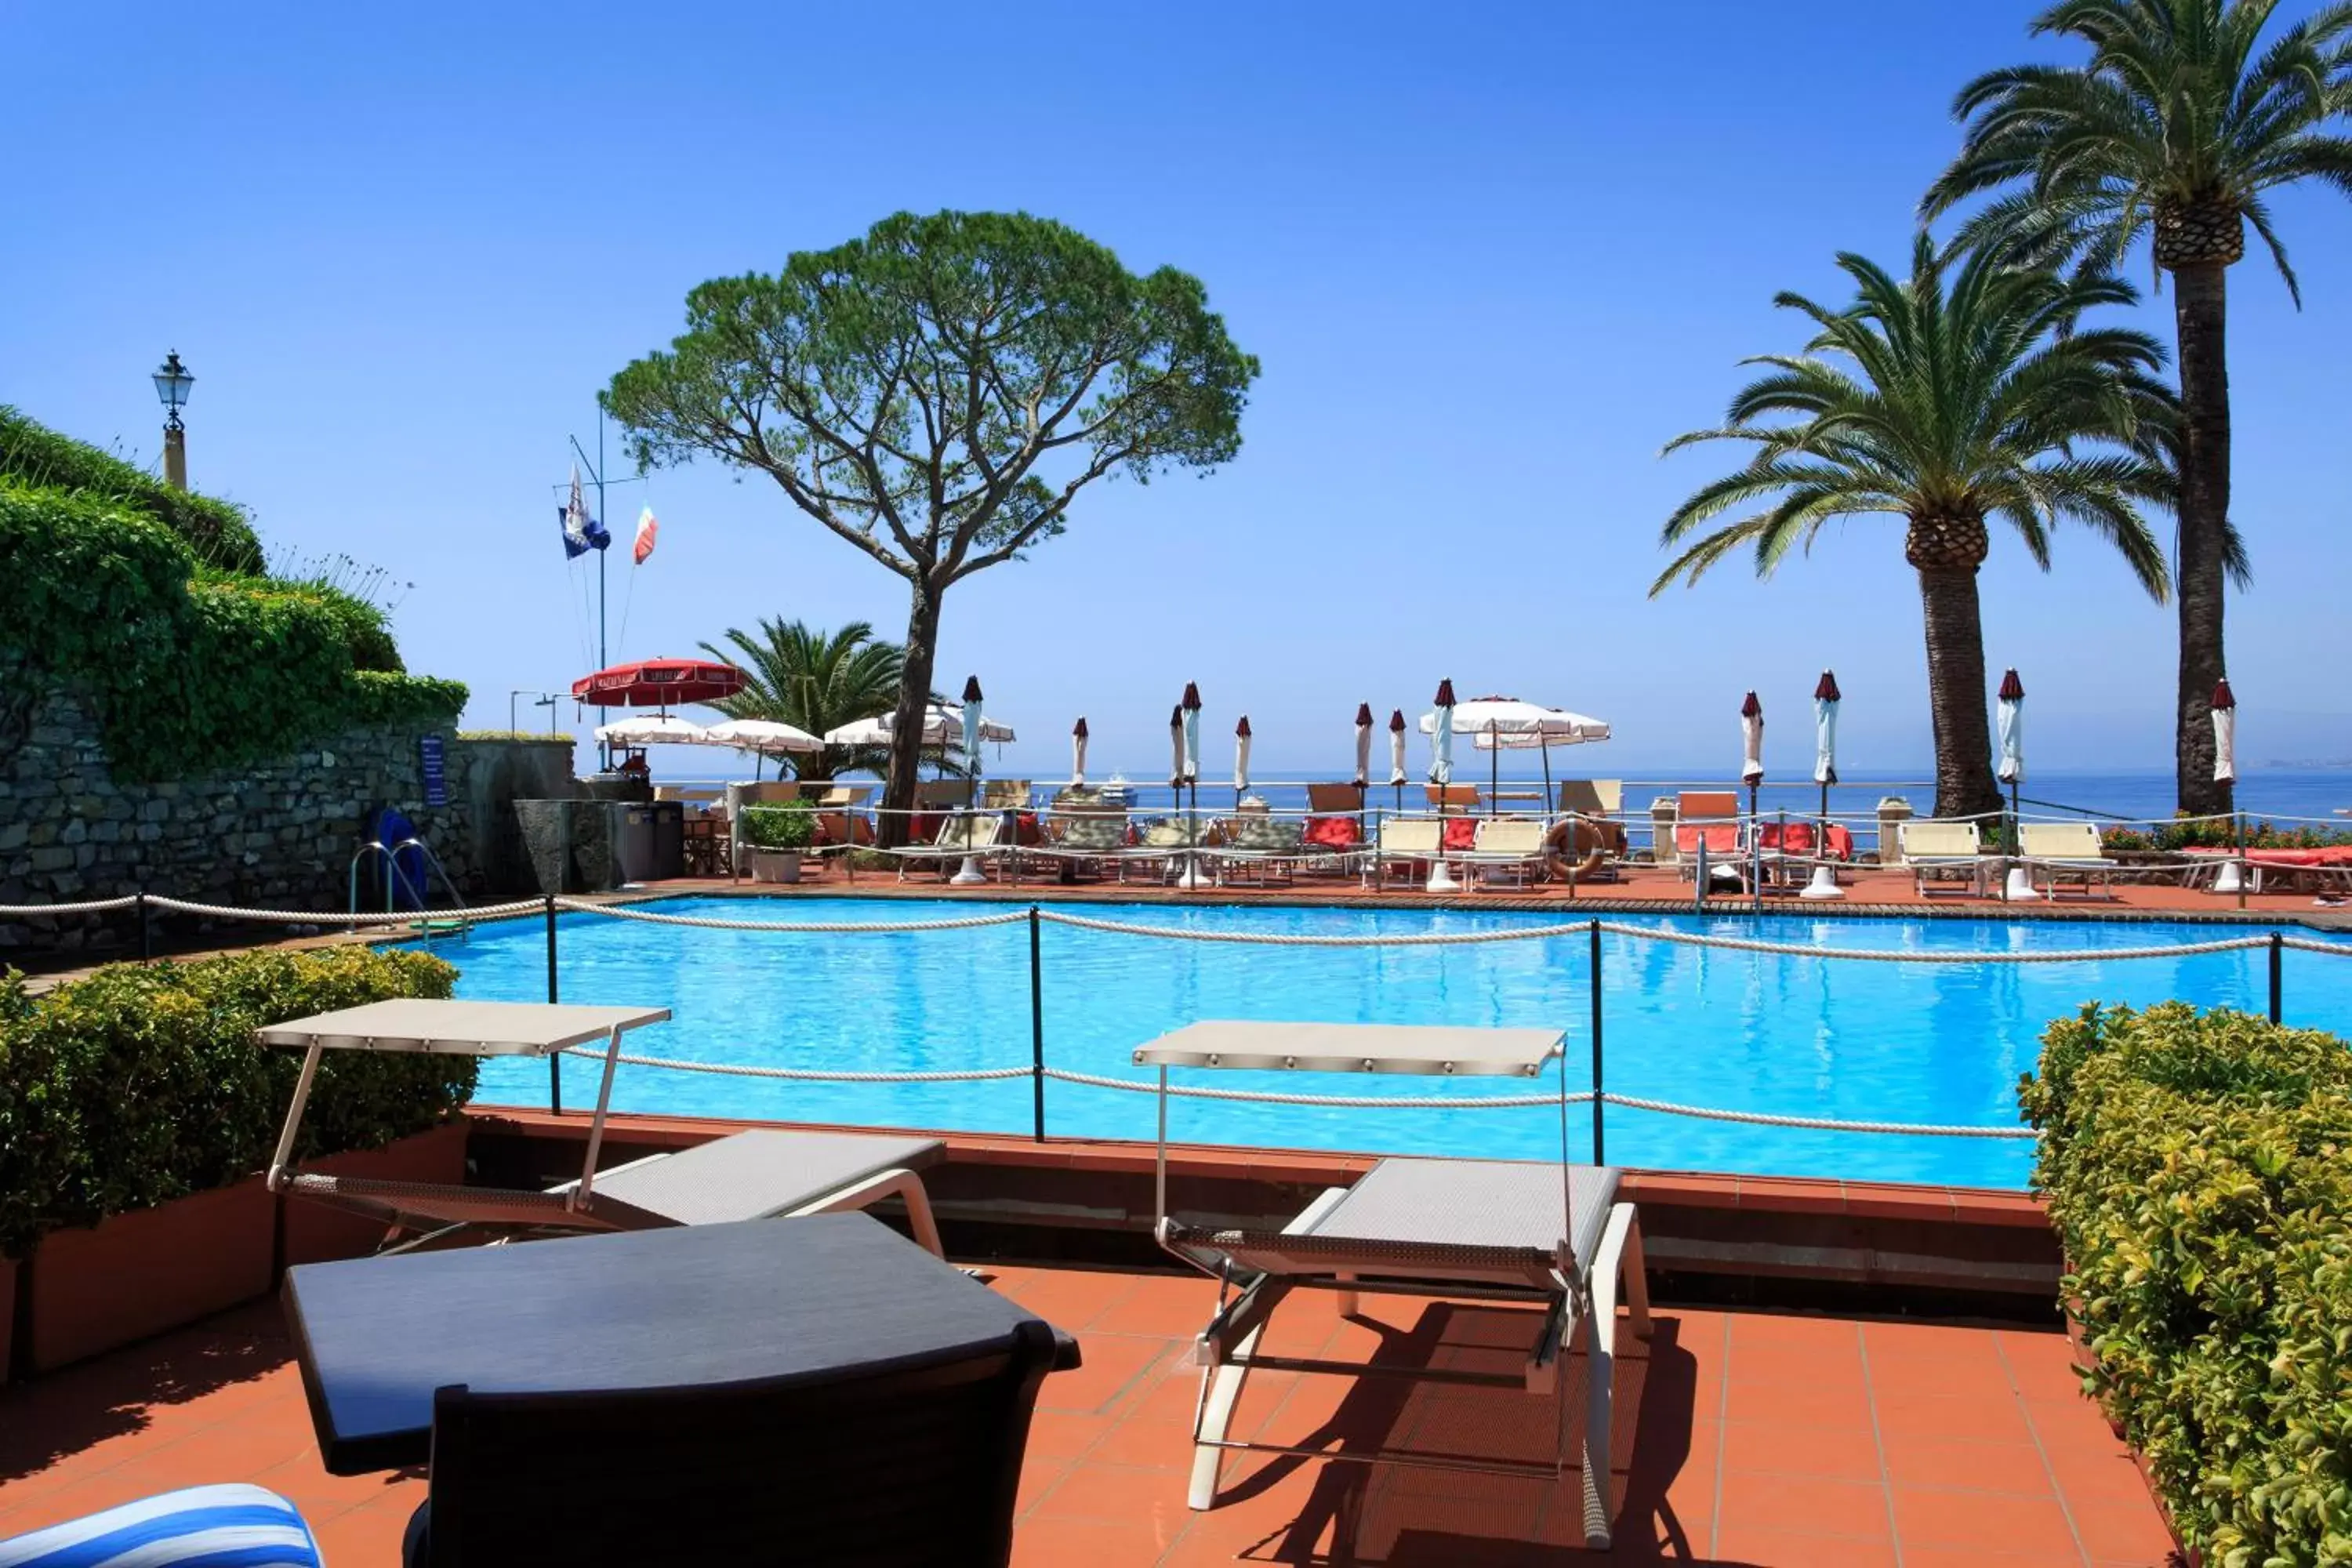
(1510, 723)
(653, 730)
(1442, 1051)
(942, 726)
(658, 683)
(771, 737)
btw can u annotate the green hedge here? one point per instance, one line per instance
(140, 1085)
(192, 672)
(215, 532)
(2199, 1169)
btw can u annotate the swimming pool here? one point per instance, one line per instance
(1912, 1042)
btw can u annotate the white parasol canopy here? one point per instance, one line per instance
(1189, 711)
(651, 730)
(1512, 724)
(1241, 754)
(1826, 698)
(1751, 736)
(770, 737)
(1438, 725)
(2225, 733)
(1396, 750)
(942, 726)
(1079, 752)
(1363, 744)
(2008, 714)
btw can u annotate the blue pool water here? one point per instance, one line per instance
(1800, 1035)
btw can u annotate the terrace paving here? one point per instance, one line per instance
(1750, 1439)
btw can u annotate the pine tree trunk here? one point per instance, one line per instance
(907, 724)
(1956, 693)
(2199, 299)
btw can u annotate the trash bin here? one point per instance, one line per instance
(632, 843)
(668, 850)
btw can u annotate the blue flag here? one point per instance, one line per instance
(582, 532)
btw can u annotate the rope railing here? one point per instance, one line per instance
(360, 918)
(826, 927)
(87, 907)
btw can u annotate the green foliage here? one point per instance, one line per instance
(790, 825)
(815, 680)
(2205, 833)
(189, 671)
(143, 1084)
(215, 532)
(1968, 392)
(2198, 1171)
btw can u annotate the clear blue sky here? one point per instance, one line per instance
(1490, 266)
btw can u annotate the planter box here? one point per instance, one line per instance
(140, 1274)
(313, 1233)
(775, 865)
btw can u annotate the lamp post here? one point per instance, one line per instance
(539, 700)
(171, 384)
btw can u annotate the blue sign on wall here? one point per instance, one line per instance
(437, 780)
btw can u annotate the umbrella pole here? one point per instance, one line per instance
(970, 872)
(1493, 767)
(1824, 884)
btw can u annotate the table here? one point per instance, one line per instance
(656, 1308)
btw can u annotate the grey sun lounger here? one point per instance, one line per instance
(1553, 1235)
(759, 1175)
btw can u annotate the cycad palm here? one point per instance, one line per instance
(1967, 392)
(2176, 128)
(815, 679)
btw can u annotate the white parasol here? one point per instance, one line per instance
(1824, 884)
(2009, 717)
(1363, 744)
(770, 737)
(1190, 710)
(1440, 773)
(1396, 749)
(1241, 758)
(1496, 725)
(943, 727)
(1079, 753)
(1751, 736)
(651, 730)
(2225, 733)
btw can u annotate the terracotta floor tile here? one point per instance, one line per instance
(1975, 1418)
(366, 1537)
(1145, 1444)
(1930, 1516)
(1039, 1477)
(2091, 1477)
(1058, 1435)
(2016, 1469)
(1980, 1557)
(1115, 1365)
(1806, 1503)
(1755, 1546)
(1039, 1541)
(1757, 1330)
(1785, 1404)
(1837, 1453)
(2039, 1361)
(1070, 1299)
(1932, 1342)
(1167, 1309)
(2120, 1530)
(1940, 1377)
(1090, 1489)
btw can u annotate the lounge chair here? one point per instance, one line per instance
(1930, 845)
(1592, 797)
(759, 1175)
(1259, 844)
(1081, 830)
(913, 1459)
(200, 1527)
(1452, 799)
(1512, 846)
(960, 836)
(2064, 851)
(1404, 841)
(1167, 844)
(1552, 1236)
(1708, 821)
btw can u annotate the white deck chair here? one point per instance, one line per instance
(1405, 839)
(972, 834)
(1928, 845)
(759, 1175)
(1512, 846)
(1551, 1235)
(2064, 851)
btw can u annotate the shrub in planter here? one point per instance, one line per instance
(789, 827)
(140, 1085)
(2199, 1169)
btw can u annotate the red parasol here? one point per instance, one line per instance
(658, 683)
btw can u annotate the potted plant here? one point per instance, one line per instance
(776, 834)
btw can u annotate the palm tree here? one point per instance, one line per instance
(2176, 128)
(815, 679)
(1966, 393)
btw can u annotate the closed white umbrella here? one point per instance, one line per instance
(1751, 738)
(2225, 733)
(1240, 759)
(1824, 884)
(2009, 719)
(1440, 773)
(1190, 709)
(652, 730)
(1079, 753)
(1188, 763)
(1396, 748)
(1364, 745)
(771, 737)
(1176, 750)
(974, 728)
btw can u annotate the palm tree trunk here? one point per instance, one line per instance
(2200, 303)
(1956, 693)
(907, 724)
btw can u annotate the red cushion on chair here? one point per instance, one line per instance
(1841, 839)
(1333, 832)
(1461, 833)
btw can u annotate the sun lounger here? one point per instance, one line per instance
(1332, 838)
(198, 1527)
(1707, 822)
(1081, 831)
(1169, 843)
(2064, 851)
(1260, 845)
(1405, 840)
(1552, 1236)
(972, 834)
(759, 1175)
(1452, 799)
(1512, 846)
(1929, 845)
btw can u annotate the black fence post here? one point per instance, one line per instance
(1598, 1146)
(2275, 998)
(1036, 1027)
(555, 1059)
(146, 931)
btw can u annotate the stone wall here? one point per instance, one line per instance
(277, 834)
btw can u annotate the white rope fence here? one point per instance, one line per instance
(1821, 1123)
(364, 918)
(91, 907)
(1310, 939)
(806, 1075)
(2053, 955)
(835, 928)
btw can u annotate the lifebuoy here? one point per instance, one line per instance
(1578, 835)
